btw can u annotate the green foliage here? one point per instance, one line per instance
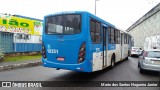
(22, 58)
(1, 53)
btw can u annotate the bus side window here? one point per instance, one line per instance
(125, 39)
(111, 33)
(95, 31)
(92, 36)
(118, 37)
(97, 37)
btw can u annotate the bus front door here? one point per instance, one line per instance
(122, 44)
(104, 46)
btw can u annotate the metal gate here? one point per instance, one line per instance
(6, 42)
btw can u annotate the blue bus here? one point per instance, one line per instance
(80, 41)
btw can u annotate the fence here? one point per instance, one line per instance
(6, 42)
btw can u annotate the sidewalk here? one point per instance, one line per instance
(19, 64)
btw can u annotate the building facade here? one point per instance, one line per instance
(20, 34)
(146, 26)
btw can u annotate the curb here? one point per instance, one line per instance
(22, 65)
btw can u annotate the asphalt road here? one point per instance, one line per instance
(124, 71)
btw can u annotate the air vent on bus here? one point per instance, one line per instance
(82, 53)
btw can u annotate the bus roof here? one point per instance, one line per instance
(94, 16)
(80, 12)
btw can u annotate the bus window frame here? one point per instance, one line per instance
(46, 27)
(95, 31)
(117, 36)
(111, 35)
(126, 38)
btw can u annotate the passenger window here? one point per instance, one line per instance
(95, 31)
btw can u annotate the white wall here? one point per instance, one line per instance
(149, 27)
(151, 42)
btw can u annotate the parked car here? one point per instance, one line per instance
(136, 51)
(149, 60)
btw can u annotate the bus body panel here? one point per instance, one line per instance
(126, 50)
(82, 67)
(67, 47)
(97, 57)
(118, 52)
(63, 48)
(117, 56)
(62, 51)
(124, 47)
(111, 50)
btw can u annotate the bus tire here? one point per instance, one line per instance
(141, 70)
(126, 58)
(113, 61)
(129, 53)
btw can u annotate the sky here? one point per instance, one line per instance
(121, 13)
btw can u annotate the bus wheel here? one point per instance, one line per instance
(126, 58)
(141, 70)
(112, 62)
(129, 53)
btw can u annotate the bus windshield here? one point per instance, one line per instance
(63, 24)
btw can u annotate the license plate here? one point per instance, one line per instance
(60, 59)
(157, 62)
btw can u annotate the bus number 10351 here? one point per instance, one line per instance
(54, 51)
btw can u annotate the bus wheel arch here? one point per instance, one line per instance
(113, 58)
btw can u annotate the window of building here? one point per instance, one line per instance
(26, 36)
(19, 36)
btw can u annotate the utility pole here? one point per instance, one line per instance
(95, 6)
